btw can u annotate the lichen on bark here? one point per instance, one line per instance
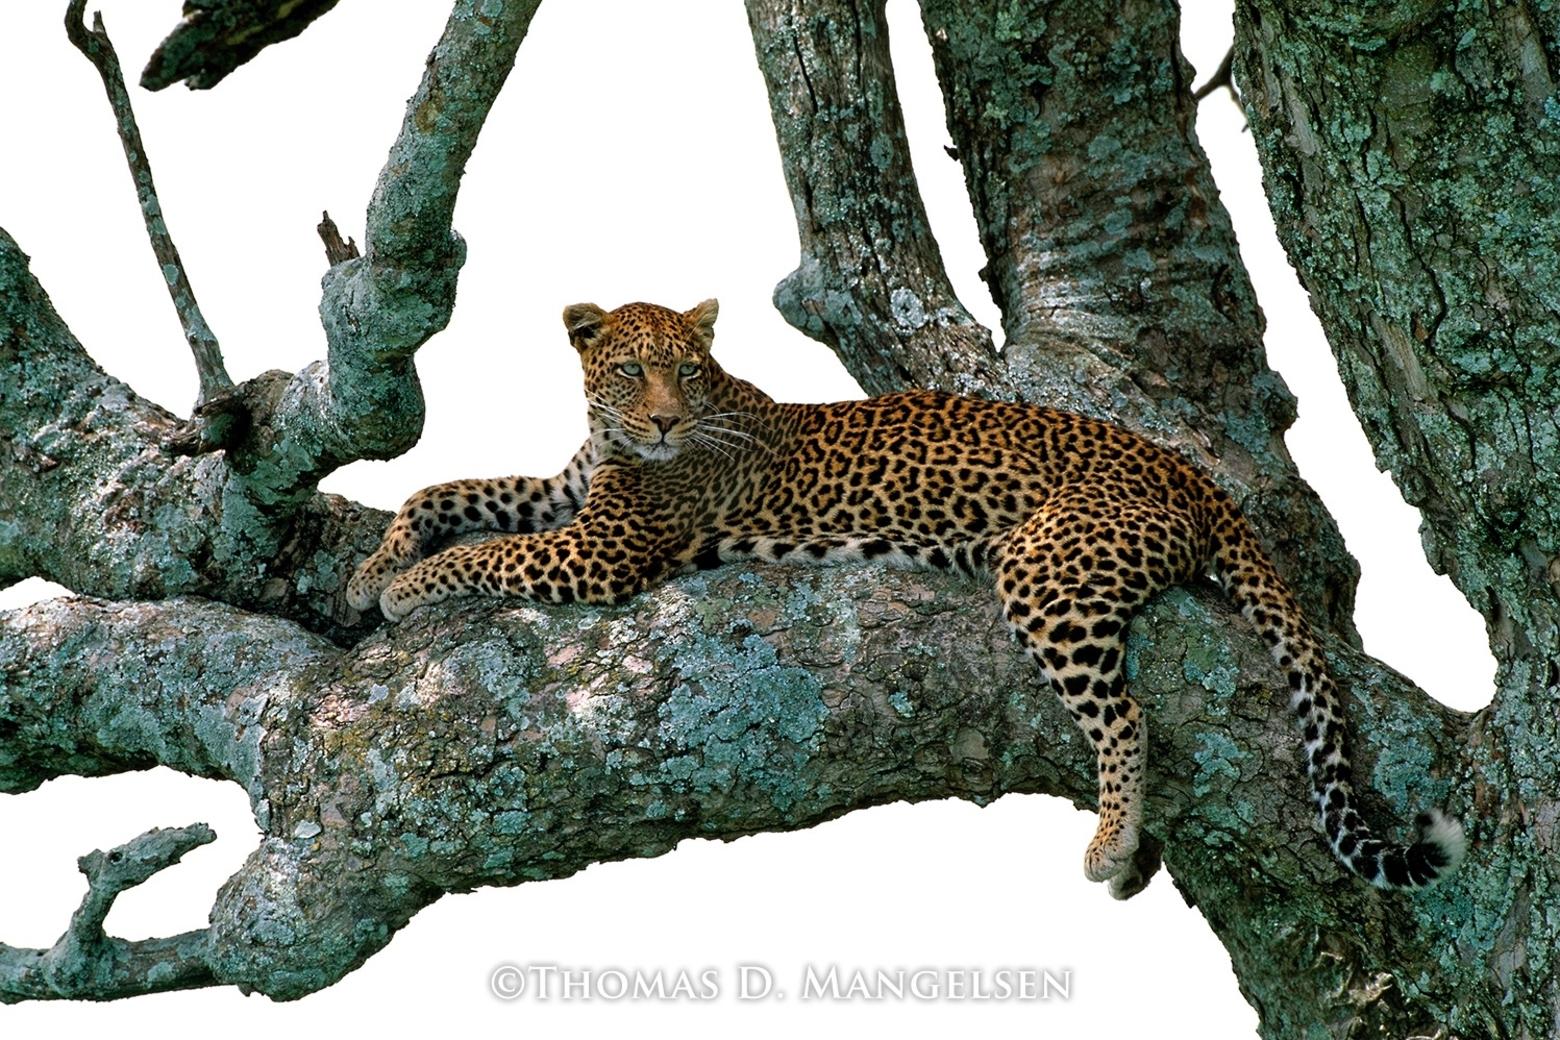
(1413, 185)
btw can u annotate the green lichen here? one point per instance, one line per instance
(740, 718)
(1217, 756)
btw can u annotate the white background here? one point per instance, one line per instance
(630, 157)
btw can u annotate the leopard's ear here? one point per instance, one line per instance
(583, 320)
(702, 318)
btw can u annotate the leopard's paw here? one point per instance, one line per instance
(370, 580)
(399, 599)
(1142, 865)
(1109, 854)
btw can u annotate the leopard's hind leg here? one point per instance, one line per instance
(1070, 578)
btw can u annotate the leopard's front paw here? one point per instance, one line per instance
(395, 603)
(411, 590)
(372, 577)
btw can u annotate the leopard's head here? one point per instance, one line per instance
(648, 374)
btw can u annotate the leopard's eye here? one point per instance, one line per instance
(632, 369)
(688, 370)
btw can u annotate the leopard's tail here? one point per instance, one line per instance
(1255, 587)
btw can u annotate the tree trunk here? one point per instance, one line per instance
(1411, 161)
(488, 744)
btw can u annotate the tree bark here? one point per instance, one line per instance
(871, 283)
(494, 743)
(217, 36)
(1410, 159)
(490, 746)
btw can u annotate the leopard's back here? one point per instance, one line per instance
(925, 478)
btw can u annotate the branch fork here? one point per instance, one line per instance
(88, 964)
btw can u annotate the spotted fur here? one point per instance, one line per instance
(1078, 521)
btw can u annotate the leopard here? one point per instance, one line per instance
(1076, 522)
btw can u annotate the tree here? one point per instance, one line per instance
(1121, 294)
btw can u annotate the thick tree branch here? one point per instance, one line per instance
(491, 744)
(184, 683)
(95, 503)
(88, 458)
(1431, 263)
(217, 36)
(86, 964)
(94, 43)
(1414, 188)
(871, 283)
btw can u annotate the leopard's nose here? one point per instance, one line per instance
(664, 423)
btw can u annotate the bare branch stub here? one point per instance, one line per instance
(94, 43)
(86, 964)
(336, 251)
(1223, 76)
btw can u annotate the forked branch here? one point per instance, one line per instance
(86, 963)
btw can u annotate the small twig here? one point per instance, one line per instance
(1223, 76)
(336, 251)
(86, 964)
(110, 873)
(96, 46)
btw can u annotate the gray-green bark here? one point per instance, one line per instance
(217, 36)
(497, 743)
(871, 283)
(1412, 160)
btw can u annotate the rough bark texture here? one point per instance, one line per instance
(488, 743)
(871, 283)
(101, 509)
(1413, 166)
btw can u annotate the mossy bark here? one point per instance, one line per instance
(871, 283)
(1411, 155)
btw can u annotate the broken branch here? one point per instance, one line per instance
(87, 964)
(94, 43)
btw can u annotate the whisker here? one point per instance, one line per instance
(604, 407)
(747, 442)
(743, 434)
(737, 415)
(709, 442)
(733, 445)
